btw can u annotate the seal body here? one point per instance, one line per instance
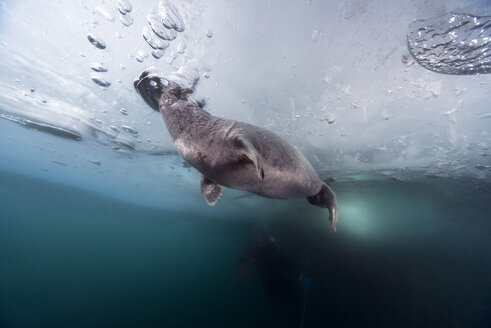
(234, 154)
(215, 147)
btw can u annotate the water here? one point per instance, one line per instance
(72, 258)
(406, 254)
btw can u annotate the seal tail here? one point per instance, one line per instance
(326, 198)
(150, 85)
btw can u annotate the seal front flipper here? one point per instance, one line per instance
(211, 191)
(247, 150)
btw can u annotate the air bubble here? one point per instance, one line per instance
(181, 48)
(171, 17)
(152, 41)
(98, 67)
(141, 55)
(158, 53)
(155, 22)
(129, 129)
(104, 13)
(100, 81)
(127, 20)
(96, 41)
(124, 7)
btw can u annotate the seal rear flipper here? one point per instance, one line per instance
(247, 150)
(150, 85)
(326, 198)
(211, 191)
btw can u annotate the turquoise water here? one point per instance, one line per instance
(406, 254)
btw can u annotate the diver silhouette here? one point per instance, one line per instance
(278, 275)
(275, 271)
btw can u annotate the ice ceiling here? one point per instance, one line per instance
(335, 78)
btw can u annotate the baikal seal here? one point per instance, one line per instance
(231, 153)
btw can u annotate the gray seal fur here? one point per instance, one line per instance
(231, 153)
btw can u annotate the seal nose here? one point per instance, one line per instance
(151, 87)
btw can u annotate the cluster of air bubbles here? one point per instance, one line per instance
(124, 8)
(164, 24)
(457, 44)
(157, 44)
(170, 16)
(96, 75)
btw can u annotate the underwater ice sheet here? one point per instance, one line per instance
(46, 127)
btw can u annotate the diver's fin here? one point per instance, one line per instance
(150, 85)
(246, 149)
(328, 181)
(211, 191)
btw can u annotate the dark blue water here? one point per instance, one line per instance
(407, 254)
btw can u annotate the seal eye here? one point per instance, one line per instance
(153, 83)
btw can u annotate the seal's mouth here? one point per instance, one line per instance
(150, 85)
